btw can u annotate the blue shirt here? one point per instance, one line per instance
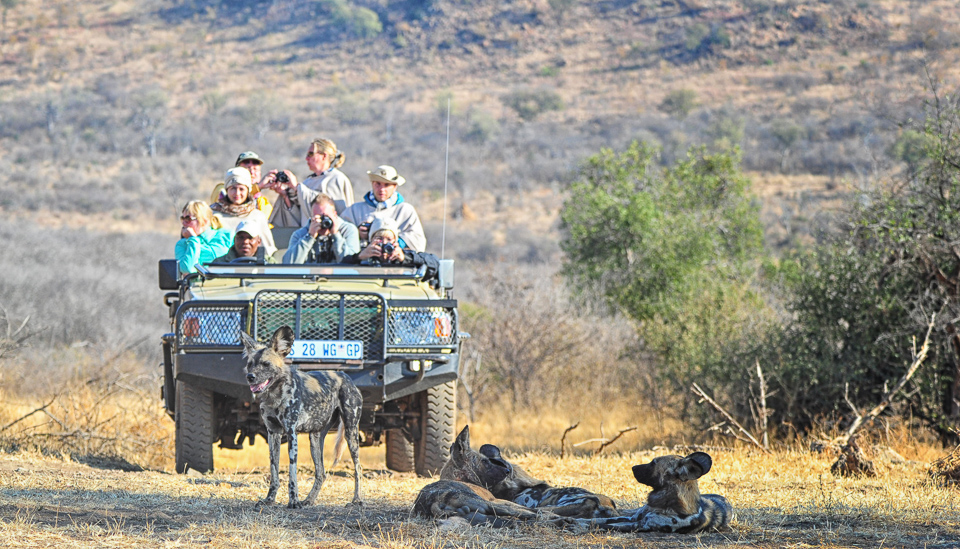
(203, 248)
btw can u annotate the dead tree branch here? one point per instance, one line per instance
(749, 437)
(563, 438)
(614, 439)
(918, 359)
(23, 417)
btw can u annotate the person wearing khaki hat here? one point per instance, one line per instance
(237, 204)
(384, 201)
(324, 160)
(247, 248)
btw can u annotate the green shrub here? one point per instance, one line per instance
(529, 104)
(679, 103)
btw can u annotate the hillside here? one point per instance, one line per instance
(115, 113)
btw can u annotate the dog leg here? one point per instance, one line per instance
(294, 502)
(319, 475)
(351, 422)
(273, 442)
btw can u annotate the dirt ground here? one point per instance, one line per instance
(788, 499)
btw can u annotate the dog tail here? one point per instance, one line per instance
(338, 446)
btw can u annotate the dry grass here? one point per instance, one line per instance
(785, 499)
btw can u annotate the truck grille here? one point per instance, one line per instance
(323, 316)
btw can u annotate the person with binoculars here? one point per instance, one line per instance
(326, 239)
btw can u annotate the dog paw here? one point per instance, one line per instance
(263, 503)
(295, 505)
(355, 503)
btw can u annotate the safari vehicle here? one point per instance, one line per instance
(395, 333)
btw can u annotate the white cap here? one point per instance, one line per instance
(248, 227)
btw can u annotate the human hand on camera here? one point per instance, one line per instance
(322, 225)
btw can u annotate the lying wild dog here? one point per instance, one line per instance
(675, 504)
(294, 402)
(461, 491)
(523, 489)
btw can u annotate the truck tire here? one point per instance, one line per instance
(400, 454)
(195, 422)
(438, 416)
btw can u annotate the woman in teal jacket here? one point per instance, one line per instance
(202, 238)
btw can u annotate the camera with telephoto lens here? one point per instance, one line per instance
(282, 177)
(326, 222)
(387, 248)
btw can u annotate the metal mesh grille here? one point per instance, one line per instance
(210, 326)
(421, 326)
(320, 316)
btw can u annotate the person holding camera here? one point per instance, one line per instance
(385, 249)
(324, 161)
(326, 239)
(384, 201)
(237, 204)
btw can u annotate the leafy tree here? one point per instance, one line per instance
(672, 248)
(876, 284)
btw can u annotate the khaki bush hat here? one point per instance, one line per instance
(386, 174)
(247, 227)
(249, 155)
(237, 176)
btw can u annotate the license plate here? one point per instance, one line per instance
(316, 349)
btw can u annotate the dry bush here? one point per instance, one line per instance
(93, 408)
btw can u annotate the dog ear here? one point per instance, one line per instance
(249, 344)
(490, 451)
(282, 340)
(462, 444)
(694, 466)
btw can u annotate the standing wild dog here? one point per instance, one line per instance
(675, 504)
(461, 491)
(294, 402)
(523, 489)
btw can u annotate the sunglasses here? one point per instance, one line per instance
(187, 218)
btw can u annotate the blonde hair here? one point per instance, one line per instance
(203, 213)
(329, 148)
(382, 232)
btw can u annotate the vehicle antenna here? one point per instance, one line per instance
(446, 166)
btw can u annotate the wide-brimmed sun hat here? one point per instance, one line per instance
(386, 174)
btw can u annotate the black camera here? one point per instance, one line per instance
(282, 177)
(326, 222)
(388, 248)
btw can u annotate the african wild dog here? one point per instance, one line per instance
(675, 504)
(521, 488)
(461, 491)
(294, 402)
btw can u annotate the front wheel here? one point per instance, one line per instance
(438, 418)
(195, 421)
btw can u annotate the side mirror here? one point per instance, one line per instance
(169, 274)
(445, 274)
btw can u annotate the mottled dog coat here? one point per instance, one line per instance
(521, 488)
(294, 402)
(461, 491)
(675, 504)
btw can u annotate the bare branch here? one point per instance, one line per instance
(23, 417)
(614, 439)
(703, 395)
(564, 437)
(888, 396)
